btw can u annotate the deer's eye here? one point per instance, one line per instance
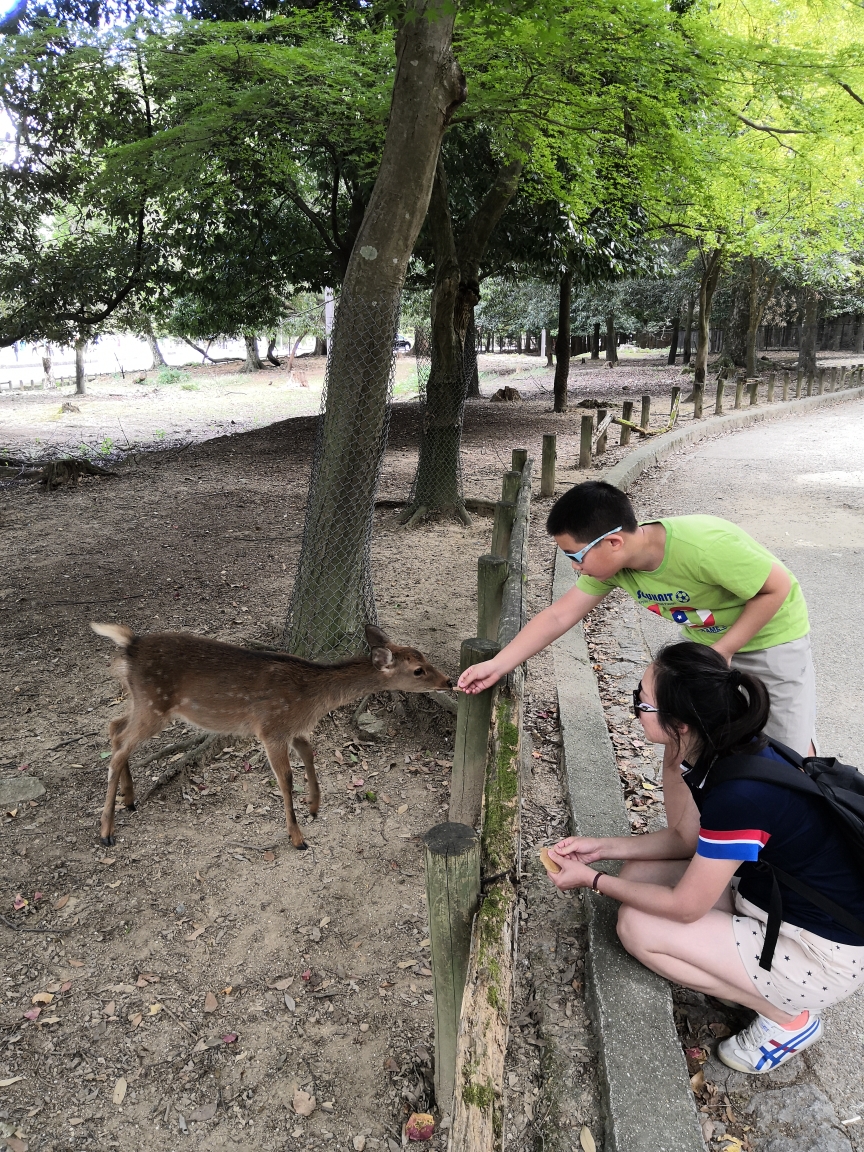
(419, 672)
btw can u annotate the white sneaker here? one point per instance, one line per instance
(764, 1045)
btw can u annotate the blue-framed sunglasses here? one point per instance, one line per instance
(579, 556)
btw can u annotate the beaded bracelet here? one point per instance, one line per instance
(595, 882)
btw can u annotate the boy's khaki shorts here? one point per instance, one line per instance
(786, 670)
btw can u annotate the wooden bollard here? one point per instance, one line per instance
(452, 898)
(626, 414)
(754, 392)
(505, 513)
(739, 391)
(771, 381)
(547, 466)
(473, 715)
(520, 459)
(799, 384)
(821, 388)
(675, 399)
(585, 437)
(492, 572)
(510, 487)
(811, 380)
(718, 403)
(787, 380)
(646, 412)
(602, 413)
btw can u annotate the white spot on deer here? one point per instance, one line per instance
(368, 252)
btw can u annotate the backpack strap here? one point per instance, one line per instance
(761, 768)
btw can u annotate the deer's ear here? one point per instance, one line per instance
(382, 657)
(375, 638)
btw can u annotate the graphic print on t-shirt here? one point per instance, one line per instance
(685, 616)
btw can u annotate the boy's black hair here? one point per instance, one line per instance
(589, 510)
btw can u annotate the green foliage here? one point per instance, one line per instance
(167, 376)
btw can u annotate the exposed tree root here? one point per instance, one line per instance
(196, 750)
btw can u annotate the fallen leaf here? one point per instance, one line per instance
(13, 812)
(205, 1112)
(229, 1038)
(733, 1144)
(420, 1126)
(66, 985)
(268, 857)
(587, 1140)
(356, 782)
(281, 985)
(536, 755)
(119, 1091)
(77, 963)
(290, 1003)
(194, 935)
(697, 1081)
(61, 903)
(155, 1009)
(720, 1030)
(42, 998)
(37, 896)
(401, 809)
(306, 975)
(108, 1010)
(19, 902)
(359, 1143)
(48, 1020)
(323, 923)
(406, 963)
(304, 1104)
(32, 1014)
(116, 884)
(12, 1080)
(390, 1065)
(135, 1019)
(16, 1145)
(210, 1003)
(106, 861)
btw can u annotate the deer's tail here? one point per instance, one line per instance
(119, 633)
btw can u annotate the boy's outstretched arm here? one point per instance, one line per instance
(546, 626)
(756, 612)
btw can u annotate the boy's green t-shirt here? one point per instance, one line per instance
(710, 569)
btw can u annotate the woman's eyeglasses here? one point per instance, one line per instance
(638, 705)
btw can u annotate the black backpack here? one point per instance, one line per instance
(840, 786)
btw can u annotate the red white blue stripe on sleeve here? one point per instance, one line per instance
(742, 844)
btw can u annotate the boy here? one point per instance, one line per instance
(701, 572)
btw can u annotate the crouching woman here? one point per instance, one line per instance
(695, 896)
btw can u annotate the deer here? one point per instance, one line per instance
(271, 695)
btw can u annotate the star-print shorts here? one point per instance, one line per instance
(807, 971)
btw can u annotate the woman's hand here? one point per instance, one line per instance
(573, 874)
(479, 677)
(585, 849)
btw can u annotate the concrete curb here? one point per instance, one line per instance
(646, 1091)
(627, 471)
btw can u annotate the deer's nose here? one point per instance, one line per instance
(449, 683)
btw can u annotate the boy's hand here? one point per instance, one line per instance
(478, 677)
(582, 848)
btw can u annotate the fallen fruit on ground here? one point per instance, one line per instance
(420, 1126)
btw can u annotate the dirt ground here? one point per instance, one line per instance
(200, 976)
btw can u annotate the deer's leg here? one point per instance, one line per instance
(115, 732)
(277, 754)
(138, 726)
(307, 754)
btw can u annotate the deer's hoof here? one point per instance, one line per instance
(108, 841)
(301, 847)
(133, 807)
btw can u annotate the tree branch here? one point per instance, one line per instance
(846, 88)
(771, 130)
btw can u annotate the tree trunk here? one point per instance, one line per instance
(687, 350)
(595, 342)
(320, 348)
(438, 481)
(837, 334)
(293, 353)
(80, 382)
(562, 367)
(333, 597)
(710, 275)
(735, 332)
(762, 285)
(271, 352)
(673, 344)
(859, 334)
(611, 339)
(155, 351)
(472, 373)
(252, 362)
(809, 332)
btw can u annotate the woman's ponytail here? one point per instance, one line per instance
(726, 708)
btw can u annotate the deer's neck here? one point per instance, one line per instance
(336, 687)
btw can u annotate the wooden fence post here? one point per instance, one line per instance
(799, 382)
(492, 574)
(502, 527)
(739, 391)
(626, 414)
(786, 382)
(821, 388)
(718, 403)
(811, 380)
(602, 413)
(510, 487)
(585, 437)
(452, 895)
(547, 466)
(754, 391)
(675, 399)
(520, 455)
(473, 714)
(646, 412)
(771, 381)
